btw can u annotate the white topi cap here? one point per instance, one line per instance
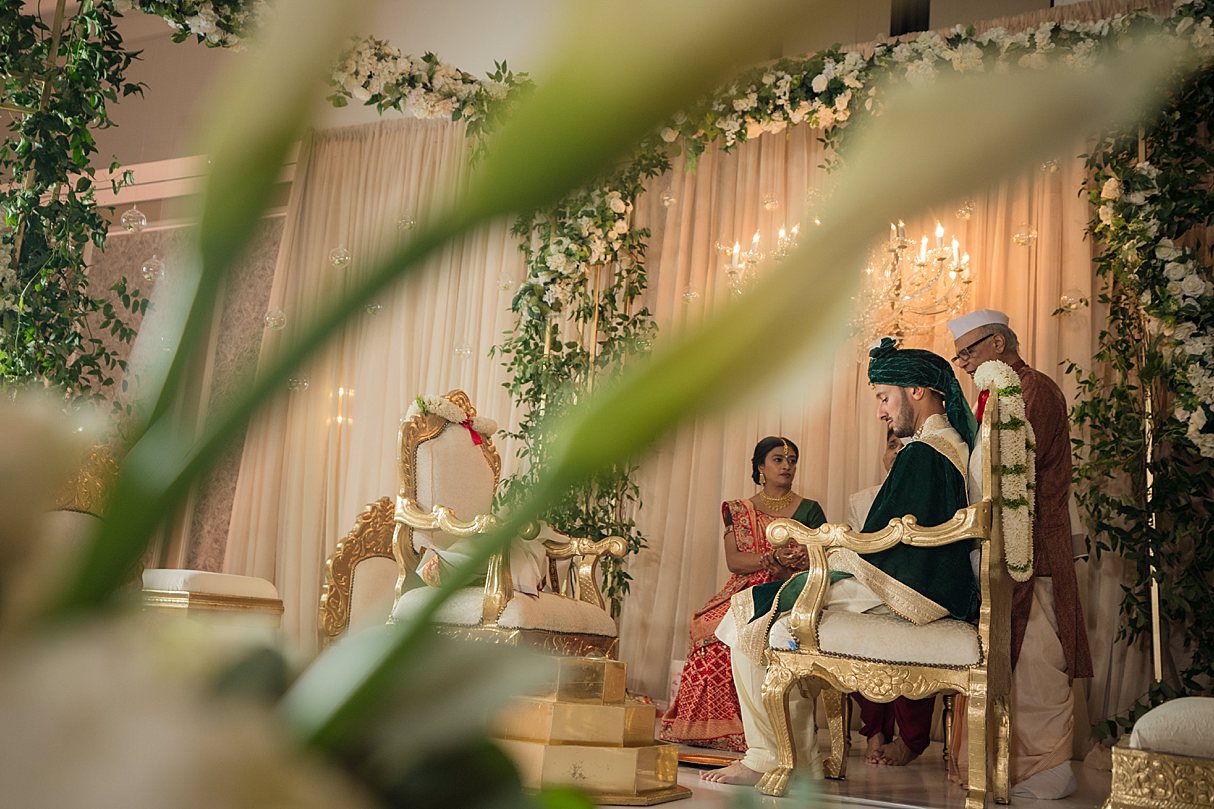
(982, 317)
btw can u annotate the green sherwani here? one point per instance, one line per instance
(926, 482)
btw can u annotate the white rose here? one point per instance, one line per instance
(1136, 198)
(769, 78)
(1184, 330)
(1111, 189)
(618, 205)
(620, 227)
(1174, 288)
(1174, 270)
(1166, 250)
(670, 135)
(818, 85)
(1106, 214)
(1035, 61)
(1192, 285)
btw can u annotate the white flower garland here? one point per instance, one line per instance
(1017, 457)
(449, 410)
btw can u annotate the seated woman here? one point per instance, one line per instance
(705, 712)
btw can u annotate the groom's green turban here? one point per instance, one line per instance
(916, 368)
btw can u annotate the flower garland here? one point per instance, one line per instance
(1018, 466)
(1174, 288)
(449, 410)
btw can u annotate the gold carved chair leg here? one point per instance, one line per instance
(979, 743)
(777, 684)
(947, 702)
(838, 722)
(1003, 751)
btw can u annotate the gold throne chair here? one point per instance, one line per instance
(885, 657)
(542, 592)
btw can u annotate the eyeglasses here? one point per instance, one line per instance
(964, 354)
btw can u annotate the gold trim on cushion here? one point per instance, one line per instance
(904, 601)
(184, 599)
(370, 538)
(1143, 779)
(987, 684)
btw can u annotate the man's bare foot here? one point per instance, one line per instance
(897, 754)
(736, 773)
(873, 752)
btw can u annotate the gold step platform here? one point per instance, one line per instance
(580, 730)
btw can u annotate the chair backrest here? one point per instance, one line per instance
(440, 463)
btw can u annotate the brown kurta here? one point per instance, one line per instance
(1052, 552)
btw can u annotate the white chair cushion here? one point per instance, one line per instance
(1179, 727)
(547, 611)
(451, 471)
(887, 638)
(203, 581)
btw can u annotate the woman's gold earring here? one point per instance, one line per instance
(762, 478)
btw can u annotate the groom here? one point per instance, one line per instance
(919, 398)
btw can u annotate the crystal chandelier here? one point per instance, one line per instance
(910, 288)
(741, 265)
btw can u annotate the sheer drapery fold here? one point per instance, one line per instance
(317, 455)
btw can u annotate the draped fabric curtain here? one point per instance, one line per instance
(763, 186)
(327, 446)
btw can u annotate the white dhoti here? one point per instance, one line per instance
(849, 595)
(1042, 706)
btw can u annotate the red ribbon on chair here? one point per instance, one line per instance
(982, 397)
(476, 437)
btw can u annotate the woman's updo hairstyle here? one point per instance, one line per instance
(763, 449)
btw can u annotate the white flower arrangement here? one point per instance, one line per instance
(1017, 458)
(449, 410)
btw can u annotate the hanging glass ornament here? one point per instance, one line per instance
(463, 351)
(373, 308)
(406, 223)
(275, 319)
(1071, 300)
(1025, 235)
(297, 384)
(152, 269)
(339, 257)
(133, 219)
(770, 203)
(965, 210)
(668, 198)
(1049, 166)
(690, 295)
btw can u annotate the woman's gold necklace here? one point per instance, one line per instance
(776, 503)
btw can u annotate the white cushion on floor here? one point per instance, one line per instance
(1179, 727)
(547, 611)
(204, 581)
(890, 639)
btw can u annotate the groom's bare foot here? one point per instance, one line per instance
(872, 753)
(736, 773)
(897, 754)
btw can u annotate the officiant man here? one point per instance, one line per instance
(1049, 638)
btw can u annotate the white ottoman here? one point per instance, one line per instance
(243, 602)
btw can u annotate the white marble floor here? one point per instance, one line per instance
(921, 785)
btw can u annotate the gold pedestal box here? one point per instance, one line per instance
(581, 731)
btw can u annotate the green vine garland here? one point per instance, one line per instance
(57, 84)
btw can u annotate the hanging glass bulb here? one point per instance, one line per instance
(406, 223)
(373, 308)
(133, 219)
(690, 295)
(463, 351)
(668, 198)
(965, 210)
(1071, 300)
(152, 269)
(275, 319)
(1025, 235)
(770, 203)
(1049, 166)
(505, 283)
(298, 384)
(339, 257)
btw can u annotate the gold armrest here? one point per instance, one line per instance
(584, 555)
(972, 522)
(499, 587)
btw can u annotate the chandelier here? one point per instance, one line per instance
(910, 288)
(741, 266)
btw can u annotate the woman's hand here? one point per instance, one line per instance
(792, 556)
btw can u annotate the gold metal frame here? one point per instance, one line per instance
(1143, 779)
(987, 684)
(370, 538)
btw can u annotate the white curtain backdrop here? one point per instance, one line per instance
(305, 473)
(315, 457)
